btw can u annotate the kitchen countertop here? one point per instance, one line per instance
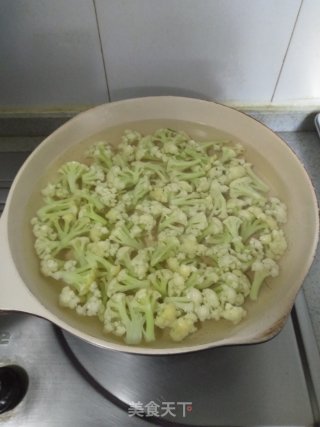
(306, 145)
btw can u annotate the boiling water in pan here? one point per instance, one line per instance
(49, 289)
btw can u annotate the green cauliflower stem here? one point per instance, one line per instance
(145, 302)
(245, 187)
(121, 234)
(163, 250)
(159, 280)
(262, 269)
(124, 282)
(71, 173)
(121, 319)
(219, 202)
(102, 154)
(80, 279)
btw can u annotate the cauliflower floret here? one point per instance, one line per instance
(140, 264)
(211, 307)
(106, 195)
(170, 148)
(49, 190)
(183, 269)
(68, 298)
(100, 248)
(90, 308)
(144, 222)
(70, 265)
(98, 232)
(277, 209)
(167, 314)
(191, 247)
(116, 213)
(49, 266)
(183, 327)
(227, 294)
(131, 136)
(203, 312)
(203, 184)
(229, 262)
(275, 244)
(197, 224)
(262, 269)
(176, 285)
(159, 194)
(152, 207)
(256, 245)
(42, 230)
(233, 314)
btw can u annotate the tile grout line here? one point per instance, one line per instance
(286, 52)
(101, 50)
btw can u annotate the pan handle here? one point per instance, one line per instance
(14, 294)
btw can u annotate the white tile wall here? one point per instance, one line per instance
(50, 54)
(229, 50)
(300, 76)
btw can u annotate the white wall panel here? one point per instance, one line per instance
(50, 54)
(228, 50)
(300, 77)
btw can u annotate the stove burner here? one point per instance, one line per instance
(220, 384)
(13, 386)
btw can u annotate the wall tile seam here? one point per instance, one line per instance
(108, 94)
(286, 52)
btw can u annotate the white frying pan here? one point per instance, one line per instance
(22, 288)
